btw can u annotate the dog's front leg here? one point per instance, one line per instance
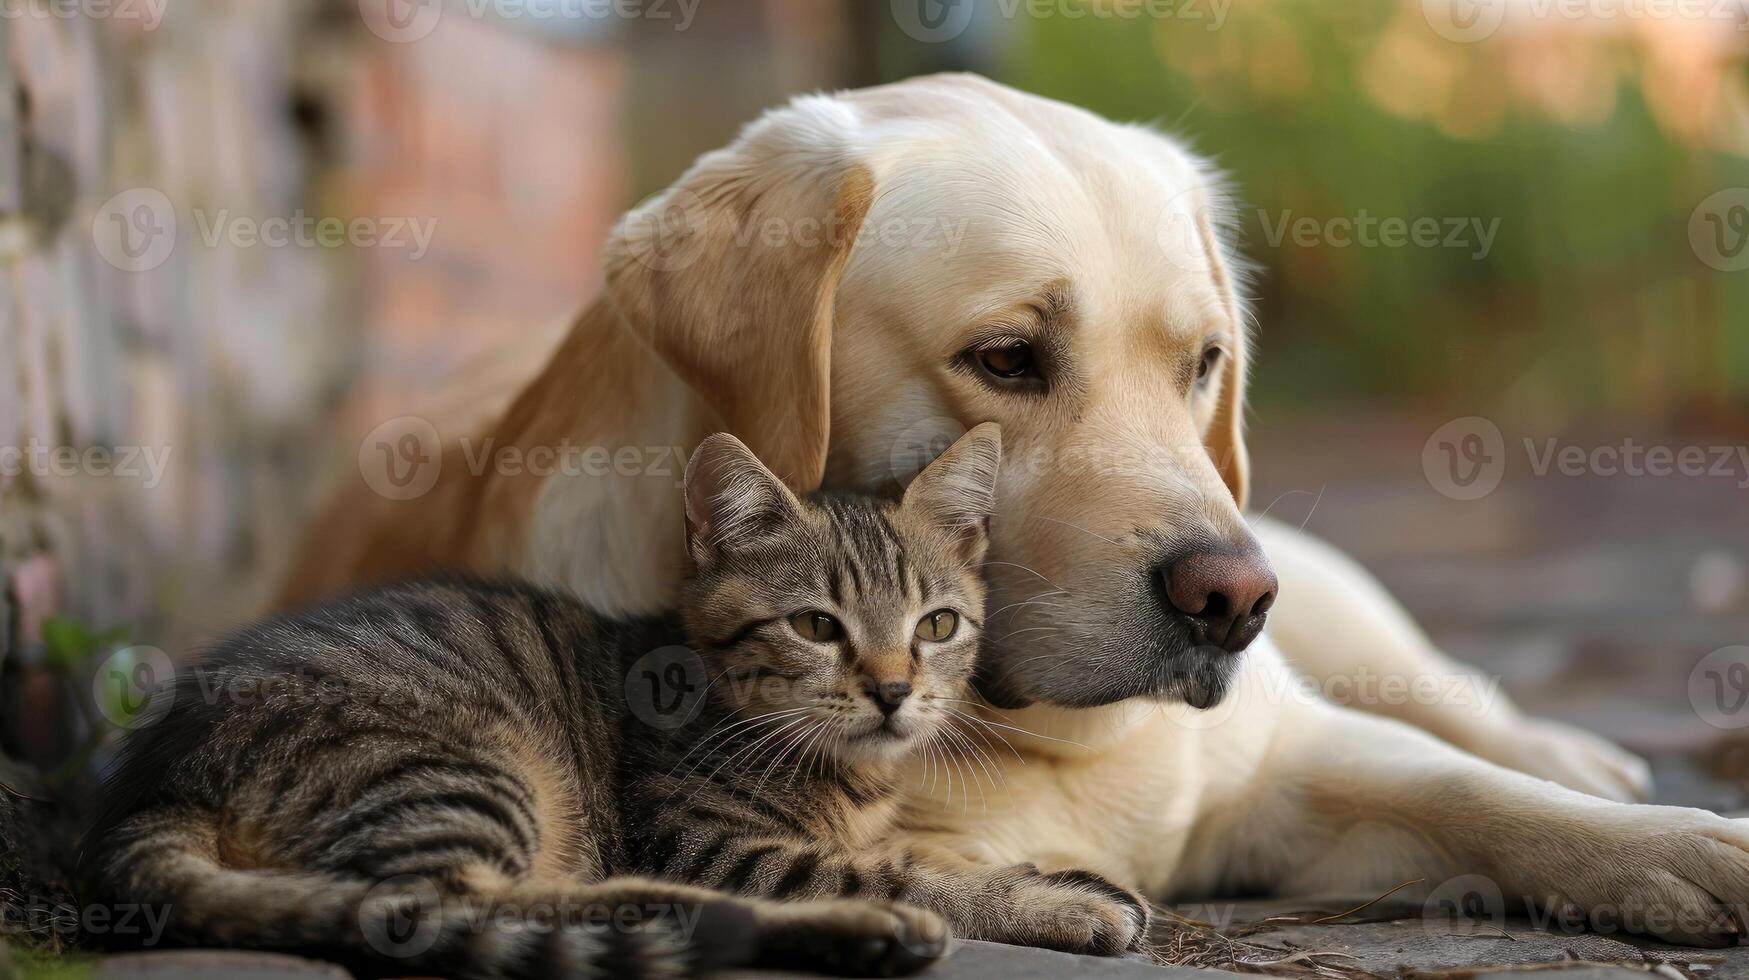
(1347, 802)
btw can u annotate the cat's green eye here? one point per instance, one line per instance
(938, 625)
(817, 626)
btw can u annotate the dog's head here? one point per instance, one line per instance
(860, 278)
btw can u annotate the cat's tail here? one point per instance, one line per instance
(180, 891)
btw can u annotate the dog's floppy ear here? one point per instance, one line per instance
(1225, 440)
(731, 273)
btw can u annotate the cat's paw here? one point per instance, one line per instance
(852, 938)
(1078, 912)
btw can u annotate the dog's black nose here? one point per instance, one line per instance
(887, 695)
(1224, 595)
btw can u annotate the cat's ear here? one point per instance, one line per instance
(957, 492)
(732, 500)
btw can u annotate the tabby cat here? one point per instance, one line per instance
(479, 778)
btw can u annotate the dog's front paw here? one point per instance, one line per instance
(1077, 912)
(1678, 875)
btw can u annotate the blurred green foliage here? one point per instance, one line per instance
(1591, 298)
(69, 644)
(28, 965)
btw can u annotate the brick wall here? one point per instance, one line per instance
(174, 397)
(148, 378)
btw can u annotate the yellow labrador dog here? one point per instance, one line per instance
(858, 278)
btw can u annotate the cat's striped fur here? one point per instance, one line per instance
(469, 778)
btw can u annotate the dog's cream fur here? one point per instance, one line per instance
(812, 288)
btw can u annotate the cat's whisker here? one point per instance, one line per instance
(953, 758)
(1078, 527)
(1030, 629)
(713, 681)
(977, 762)
(982, 733)
(1015, 728)
(731, 725)
(1040, 603)
(789, 757)
(940, 763)
(969, 783)
(817, 751)
(831, 757)
(724, 732)
(946, 774)
(952, 770)
(822, 754)
(803, 766)
(960, 737)
(928, 749)
(818, 754)
(726, 671)
(1024, 568)
(793, 745)
(1042, 656)
(992, 768)
(776, 758)
(744, 752)
(1029, 600)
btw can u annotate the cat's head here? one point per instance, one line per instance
(848, 621)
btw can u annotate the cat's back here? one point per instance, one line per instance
(446, 644)
(449, 661)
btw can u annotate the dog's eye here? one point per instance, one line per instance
(1011, 361)
(815, 625)
(938, 625)
(1211, 359)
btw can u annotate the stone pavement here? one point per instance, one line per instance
(1388, 941)
(1393, 939)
